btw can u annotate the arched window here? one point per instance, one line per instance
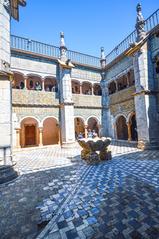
(87, 88)
(97, 89)
(112, 88)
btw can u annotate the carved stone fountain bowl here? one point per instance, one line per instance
(90, 146)
(95, 144)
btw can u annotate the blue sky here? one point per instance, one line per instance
(87, 24)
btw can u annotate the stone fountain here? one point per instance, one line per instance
(95, 149)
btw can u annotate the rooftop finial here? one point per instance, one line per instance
(103, 58)
(62, 40)
(140, 23)
(63, 48)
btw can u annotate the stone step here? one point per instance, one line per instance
(7, 173)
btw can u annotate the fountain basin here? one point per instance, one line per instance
(95, 149)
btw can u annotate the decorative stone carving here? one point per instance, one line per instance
(6, 4)
(63, 48)
(90, 146)
(140, 23)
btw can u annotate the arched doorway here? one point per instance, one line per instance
(79, 127)
(133, 127)
(29, 132)
(122, 129)
(50, 131)
(93, 124)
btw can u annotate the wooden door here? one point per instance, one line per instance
(30, 135)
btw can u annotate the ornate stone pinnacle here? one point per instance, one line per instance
(102, 53)
(138, 7)
(103, 58)
(62, 40)
(63, 48)
(140, 23)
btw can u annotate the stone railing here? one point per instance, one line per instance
(32, 46)
(87, 100)
(31, 97)
(150, 23)
(122, 95)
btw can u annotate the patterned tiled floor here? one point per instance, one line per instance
(113, 199)
(44, 158)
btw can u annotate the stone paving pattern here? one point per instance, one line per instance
(112, 199)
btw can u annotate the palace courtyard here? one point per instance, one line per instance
(57, 195)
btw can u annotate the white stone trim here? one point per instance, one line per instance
(29, 116)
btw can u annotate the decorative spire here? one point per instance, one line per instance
(140, 23)
(63, 48)
(62, 40)
(102, 59)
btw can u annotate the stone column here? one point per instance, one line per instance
(18, 138)
(85, 131)
(25, 82)
(105, 122)
(66, 102)
(43, 85)
(6, 11)
(5, 86)
(145, 99)
(40, 136)
(116, 83)
(80, 88)
(127, 79)
(129, 131)
(92, 93)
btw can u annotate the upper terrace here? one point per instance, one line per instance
(53, 52)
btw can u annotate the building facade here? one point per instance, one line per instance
(58, 94)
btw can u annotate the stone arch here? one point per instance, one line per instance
(79, 126)
(93, 124)
(121, 128)
(75, 87)
(86, 88)
(133, 127)
(34, 82)
(29, 134)
(50, 84)
(97, 89)
(18, 80)
(50, 131)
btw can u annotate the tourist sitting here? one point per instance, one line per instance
(94, 134)
(90, 134)
(21, 85)
(80, 136)
(37, 86)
